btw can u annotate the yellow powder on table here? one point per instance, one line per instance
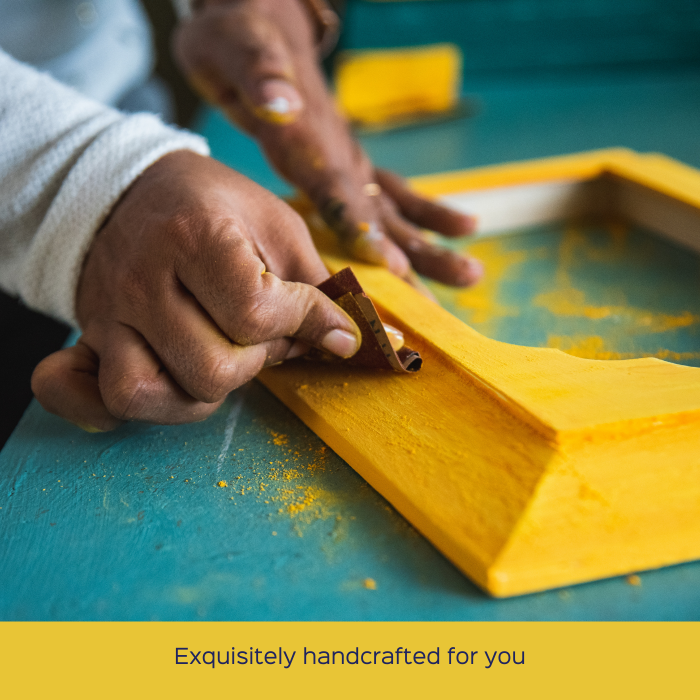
(222, 484)
(278, 438)
(370, 584)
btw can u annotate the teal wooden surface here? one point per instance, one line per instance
(603, 291)
(131, 524)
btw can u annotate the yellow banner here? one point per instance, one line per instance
(348, 660)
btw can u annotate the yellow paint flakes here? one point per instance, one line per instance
(634, 580)
(289, 490)
(370, 584)
(222, 484)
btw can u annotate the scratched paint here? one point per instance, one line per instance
(601, 291)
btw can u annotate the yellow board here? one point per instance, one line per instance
(527, 467)
(384, 86)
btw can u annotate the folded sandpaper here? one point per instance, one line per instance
(375, 351)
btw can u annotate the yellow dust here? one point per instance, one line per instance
(482, 300)
(222, 484)
(299, 506)
(279, 439)
(593, 348)
(566, 300)
(370, 584)
(288, 485)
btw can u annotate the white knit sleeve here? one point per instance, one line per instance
(64, 162)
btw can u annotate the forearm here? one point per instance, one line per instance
(65, 160)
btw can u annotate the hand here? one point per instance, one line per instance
(183, 298)
(258, 61)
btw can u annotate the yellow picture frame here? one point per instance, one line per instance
(527, 467)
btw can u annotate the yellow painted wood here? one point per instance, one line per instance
(528, 467)
(577, 167)
(383, 86)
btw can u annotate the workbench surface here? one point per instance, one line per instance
(132, 524)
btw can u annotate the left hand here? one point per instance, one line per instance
(258, 60)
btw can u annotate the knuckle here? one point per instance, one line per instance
(203, 238)
(329, 185)
(253, 320)
(137, 287)
(129, 397)
(214, 377)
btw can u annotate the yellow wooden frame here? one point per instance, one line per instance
(527, 467)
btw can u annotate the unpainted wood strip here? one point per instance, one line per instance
(517, 206)
(676, 220)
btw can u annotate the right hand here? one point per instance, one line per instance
(198, 280)
(258, 60)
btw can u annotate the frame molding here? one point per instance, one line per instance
(527, 467)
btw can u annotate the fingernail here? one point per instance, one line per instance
(476, 270)
(469, 223)
(88, 428)
(279, 103)
(341, 343)
(395, 336)
(468, 271)
(368, 245)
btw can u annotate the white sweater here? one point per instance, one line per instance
(64, 162)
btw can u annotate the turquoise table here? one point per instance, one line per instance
(132, 525)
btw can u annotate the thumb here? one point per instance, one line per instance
(65, 384)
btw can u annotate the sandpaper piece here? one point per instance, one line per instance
(375, 351)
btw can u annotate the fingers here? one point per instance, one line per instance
(251, 306)
(436, 262)
(258, 64)
(238, 58)
(124, 382)
(421, 211)
(212, 332)
(355, 218)
(66, 384)
(134, 384)
(197, 354)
